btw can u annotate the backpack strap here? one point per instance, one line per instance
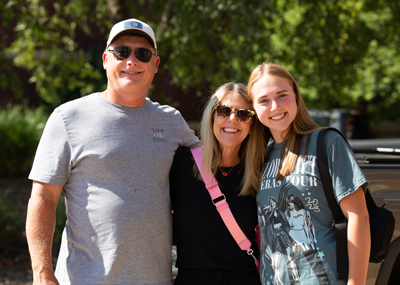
(219, 201)
(326, 178)
(342, 260)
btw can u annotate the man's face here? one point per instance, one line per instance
(129, 79)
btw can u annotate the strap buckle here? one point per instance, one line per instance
(221, 198)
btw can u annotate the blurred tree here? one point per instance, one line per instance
(377, 74)
(9, 81)
(58, 43)
(344, 53)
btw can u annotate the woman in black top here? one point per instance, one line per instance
(206, 251)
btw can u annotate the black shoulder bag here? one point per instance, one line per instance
(381, 220)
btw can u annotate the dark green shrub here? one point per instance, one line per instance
(12, 222)
(13, 218)
(20, 131)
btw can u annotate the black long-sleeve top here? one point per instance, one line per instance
(203, 241)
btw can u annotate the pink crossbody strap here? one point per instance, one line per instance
(222, 205)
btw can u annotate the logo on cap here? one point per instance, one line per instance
(133, 24)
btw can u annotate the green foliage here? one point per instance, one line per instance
(210, 42)
(20, 131)
(46, 46)
(12, 222)
(13, 216)
(9, 81)
(343, 53)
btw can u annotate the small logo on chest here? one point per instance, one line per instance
(158, 135)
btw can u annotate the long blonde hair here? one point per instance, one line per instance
(252, 149)
(302, 124)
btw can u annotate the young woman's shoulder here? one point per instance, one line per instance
(331, 136)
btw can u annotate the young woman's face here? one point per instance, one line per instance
(275, 104)
(230, 132)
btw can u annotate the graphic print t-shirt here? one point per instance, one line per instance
(297, 238)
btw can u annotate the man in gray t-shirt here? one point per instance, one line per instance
(110, 154)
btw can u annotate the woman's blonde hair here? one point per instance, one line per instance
(302, 124)
(252, 149)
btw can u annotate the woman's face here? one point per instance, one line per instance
(230, 132)
(275, 104)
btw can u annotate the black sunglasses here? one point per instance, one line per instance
(243, 115)
(123, 52)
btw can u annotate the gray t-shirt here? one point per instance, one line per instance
(113, 162)
(297, 238)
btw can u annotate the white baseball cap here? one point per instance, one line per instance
(132, 27)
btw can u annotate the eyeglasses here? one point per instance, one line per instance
(123, 52)
(243, 115)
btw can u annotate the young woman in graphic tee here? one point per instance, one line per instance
(297, 236)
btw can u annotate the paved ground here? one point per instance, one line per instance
(15, 271)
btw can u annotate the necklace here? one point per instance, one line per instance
(226, 173)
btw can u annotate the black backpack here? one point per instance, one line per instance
(381, 220)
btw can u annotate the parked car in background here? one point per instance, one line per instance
(350, 122)
(380, 161)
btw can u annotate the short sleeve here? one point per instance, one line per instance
(346, 174)
(52, 163)
(189, 139)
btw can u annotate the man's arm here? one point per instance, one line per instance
(40, 224)
(355, 210)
